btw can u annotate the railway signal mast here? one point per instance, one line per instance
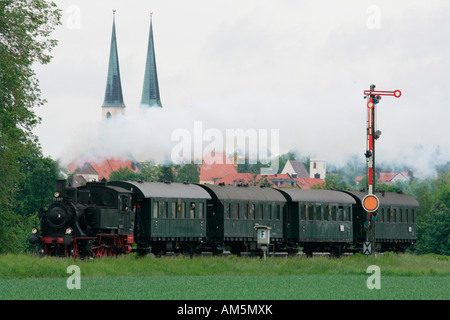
(370, 201)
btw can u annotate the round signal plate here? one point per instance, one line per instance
(370, 203)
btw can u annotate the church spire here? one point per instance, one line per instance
(150, 91)
(113, 103)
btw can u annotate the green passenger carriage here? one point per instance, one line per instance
(234, 211)
(170, 217)
(318, 220)
(395, 226)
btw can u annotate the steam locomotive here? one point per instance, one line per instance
(110, 218)
(92, 220)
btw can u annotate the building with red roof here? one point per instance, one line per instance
(219, 169)
(86, 171)
(390, 178)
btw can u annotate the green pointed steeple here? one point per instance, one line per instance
(113, 93)
(150, 91)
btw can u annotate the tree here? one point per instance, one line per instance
(189, 172)
(149, 171)
(166, 173)
(124, 174)
(435, 233)
(333, 182)
(25, 26)
(37, 185)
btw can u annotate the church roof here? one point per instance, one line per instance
(150, 91)
(113, 92)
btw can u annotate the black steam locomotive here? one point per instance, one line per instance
(108, 218)
(92, 220)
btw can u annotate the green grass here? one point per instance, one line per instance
(129, 277)
(228, 288)
(29, 266)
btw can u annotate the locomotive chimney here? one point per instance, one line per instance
(60, 184)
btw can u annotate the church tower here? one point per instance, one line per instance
(113, 104)
(150, 91)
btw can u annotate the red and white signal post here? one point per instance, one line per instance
(371, 202)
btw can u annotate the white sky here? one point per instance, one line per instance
(297, 66)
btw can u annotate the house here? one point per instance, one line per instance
(220, 170)
(296, 169)
(389, 178)
(99, 169)
(217, 167)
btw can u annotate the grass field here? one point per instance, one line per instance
(216, 278)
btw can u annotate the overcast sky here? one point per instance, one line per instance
(297, 66)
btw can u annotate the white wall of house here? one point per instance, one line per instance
(317, 168)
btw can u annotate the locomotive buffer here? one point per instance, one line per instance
(371, 202)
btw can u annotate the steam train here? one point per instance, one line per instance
(110, 218)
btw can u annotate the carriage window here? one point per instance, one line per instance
(340, 213)
(413, 215)
(183, 210)
(237, 210)
(174, 209)
(192, 210)
(334, 213)
(260, 211)
(155, 209)
(277, 211)
(269, 210)
(317, 212)
(245, 211)
(200, 210)
(162, 213)
(229, 211)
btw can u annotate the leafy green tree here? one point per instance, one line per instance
(435, 233)
(333, 182)
(189, 172)
(124, 174)
(149, 171)
(25, 27)
(166, 173)
(38, 184)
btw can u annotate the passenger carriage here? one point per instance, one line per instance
(318, 220)
(395, 226)
(170, 217)
(234, 211)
